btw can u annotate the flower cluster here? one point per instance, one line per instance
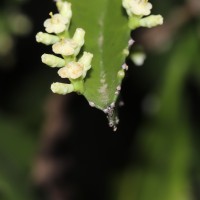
(136, 10)
(57, 35)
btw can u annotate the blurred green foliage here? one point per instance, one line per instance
(165, 142)
(17, 148)
(12, 23)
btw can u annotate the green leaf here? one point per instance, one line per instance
(107, 36)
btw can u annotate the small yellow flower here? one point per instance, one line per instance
(65, 47)
(72, 70)
(56, 24)
(137, 7)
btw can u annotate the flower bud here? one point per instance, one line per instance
(151, 21)
(46, 38)
(53, 61)
(64, 9)
(79, 38)
(86, 60)
(62, 88)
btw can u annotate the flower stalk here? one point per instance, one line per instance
(57, 35)
(139, 12)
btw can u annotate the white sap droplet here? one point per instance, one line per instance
(117, 120)
(115, 128)
(91, 104)
(131, 42)
(119, 88)
(106, 111)
(112, 118)
(112, 105)
(111, 124)
(125, 66)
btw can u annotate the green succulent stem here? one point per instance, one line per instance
(134, 22)
(69, 58)
(78, 85)
(65, 34)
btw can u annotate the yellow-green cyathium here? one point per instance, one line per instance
(68, 48)
(137, 11)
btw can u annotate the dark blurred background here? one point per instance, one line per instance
(59, 148)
